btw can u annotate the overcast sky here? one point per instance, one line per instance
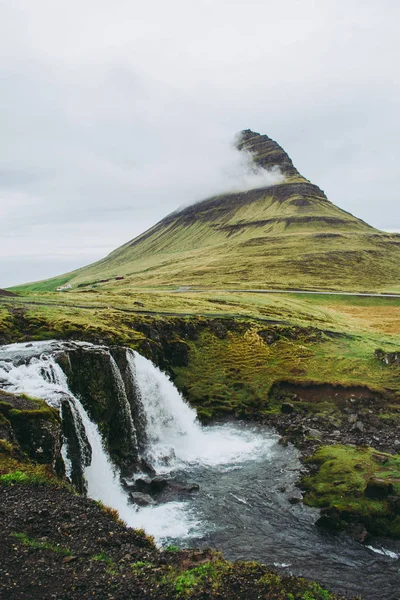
(115, 112)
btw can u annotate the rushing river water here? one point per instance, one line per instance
(246, 479)
(242, 511)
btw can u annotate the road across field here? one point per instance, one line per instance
(183, 290)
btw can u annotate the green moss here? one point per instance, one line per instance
(17, 469)
(6, 447)
(111, 512)
(35, 477)
(103, 557)
(45, 414)
(172, 548)
(37, 544)
(139, 566)
(341, 479)
(184, 583)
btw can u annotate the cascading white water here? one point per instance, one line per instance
(174, 432)
(125, 407)
(175, 438)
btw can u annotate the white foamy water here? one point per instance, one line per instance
(174, 431)
(385, 552)
(174, 435)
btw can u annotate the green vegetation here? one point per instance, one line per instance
(40, 545)
(237, 374)
(172, 548)
(186, 581)
(138, 566)
(22, 477)
(217, 576)
(111, 512)
(341, 481)
(103, 557)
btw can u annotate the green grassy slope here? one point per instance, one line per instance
(284, 236)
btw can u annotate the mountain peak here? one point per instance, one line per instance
(282, 236)
(265, 152)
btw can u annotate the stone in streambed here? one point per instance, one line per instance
(330, 519)
(142, 484)
(297, 497)
(141, 499)
(358, 532)
(147, 467)
(158, 484)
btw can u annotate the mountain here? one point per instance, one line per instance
(283, 236)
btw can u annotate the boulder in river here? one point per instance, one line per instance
(330, 519)
(141, 499)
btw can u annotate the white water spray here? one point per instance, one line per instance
(174, 432)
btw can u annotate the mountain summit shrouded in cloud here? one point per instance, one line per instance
(283, 235)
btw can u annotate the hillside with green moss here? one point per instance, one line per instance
(287, 235)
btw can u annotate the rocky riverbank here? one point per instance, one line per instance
(57, 545)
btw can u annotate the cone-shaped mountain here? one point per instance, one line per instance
(287, 235)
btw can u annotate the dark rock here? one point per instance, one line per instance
(36, 431)
(358, 532)
(92, 376)
(394, 504)
(378, 489)
(268, 335)
(330, 519)
(120, 355)
(287, 408)
(179, 488)
(177, 353)
(158, 484)
(141, 499)
(389, 358)
(193, 487)
(142, 485)
(128, 484)
(219, 329)
(147, 468)
(297, 497)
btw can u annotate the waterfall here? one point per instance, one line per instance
(174, 439)
(174, 434)
(124, 403)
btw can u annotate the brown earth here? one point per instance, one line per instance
(60, 546)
